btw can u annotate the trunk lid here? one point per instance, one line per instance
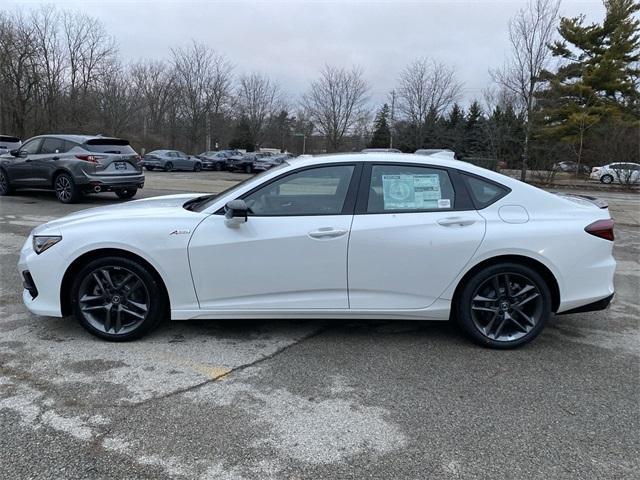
(114, 156)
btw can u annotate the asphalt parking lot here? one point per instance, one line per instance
(314, 399)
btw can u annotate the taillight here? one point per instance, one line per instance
(89, 158)
(601, 228)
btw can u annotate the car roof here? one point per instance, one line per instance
(427, 160)
(76, 138)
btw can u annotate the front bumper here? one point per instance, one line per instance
(42, 276)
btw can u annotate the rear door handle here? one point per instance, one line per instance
(456, 222)
(327, 232)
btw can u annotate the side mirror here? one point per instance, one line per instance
(236, 213)
(17, 153)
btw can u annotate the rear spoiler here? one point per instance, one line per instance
(598, 202)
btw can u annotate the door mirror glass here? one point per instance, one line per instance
(236, 213)
(15, 153)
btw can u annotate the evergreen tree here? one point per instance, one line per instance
(381, 132)
(474, 142)
(598, 80)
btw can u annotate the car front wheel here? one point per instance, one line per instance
(149, 168)
(197, 167)
(66, 189)
(248, 169)
(5, 185)
(217, 167)
(168, 167)
(504, 306)
(117, 299)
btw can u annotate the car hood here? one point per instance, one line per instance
(163, 207)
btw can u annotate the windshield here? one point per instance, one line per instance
(201, 203)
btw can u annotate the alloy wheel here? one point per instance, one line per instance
(4, 182)
(114, 300)
(64, 189)
(506, 307)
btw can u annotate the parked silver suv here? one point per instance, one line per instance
(73, 165)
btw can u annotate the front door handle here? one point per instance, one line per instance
(456, 222)
(327, 232)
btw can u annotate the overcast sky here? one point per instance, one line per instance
(290, 41)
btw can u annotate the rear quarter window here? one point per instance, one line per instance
(484, 192)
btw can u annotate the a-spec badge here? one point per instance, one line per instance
(180, 232)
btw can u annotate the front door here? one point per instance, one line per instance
(290, 254)
(20, 169)
(410, 239)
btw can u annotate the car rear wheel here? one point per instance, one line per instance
(168, 167)
(248, 169)
(149, 168)
(117, 299)
(125, 193)
(197, 167)
(66, 189)
(217, 167)
(606, 178)
(504, 306)
(5, 185)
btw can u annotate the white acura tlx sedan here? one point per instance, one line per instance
(381, 236)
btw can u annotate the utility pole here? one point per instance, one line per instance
(391, 126)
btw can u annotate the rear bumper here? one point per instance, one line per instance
(591, 307)
(107, 183)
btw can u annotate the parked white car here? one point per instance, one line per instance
(625, 173)
(383, 236)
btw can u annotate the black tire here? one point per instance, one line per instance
(94, 296)
(125, 193)
(197, 167)
(168, 167)
(5, 184)
(66, 189)
(217, 167)
(150, 168)
(606, 179)
(478, 311)
(248, 169)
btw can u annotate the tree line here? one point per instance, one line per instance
(567, 91)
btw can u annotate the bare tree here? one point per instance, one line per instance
(90, 49)
(336, 102)
(202, 80)
(51, 63)
(18, 54)
(530, 31)
(154, 84)
(426, 89)
(257, 100)
(220, 96)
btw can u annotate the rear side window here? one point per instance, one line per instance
(400, 188)
(109, 145)
(53, 145)
(484, 192)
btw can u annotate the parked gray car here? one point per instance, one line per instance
(216, 160)
(72, 165)
(8, 143)
(169, 160)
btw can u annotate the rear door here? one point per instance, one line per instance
(46, 161)
(412, 233)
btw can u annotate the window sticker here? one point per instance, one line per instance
(444, 203)
(420, 192)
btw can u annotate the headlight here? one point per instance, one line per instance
(43, 242)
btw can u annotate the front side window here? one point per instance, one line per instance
(400, 188)
(52, 145)
(32, 147)
(315, 191)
